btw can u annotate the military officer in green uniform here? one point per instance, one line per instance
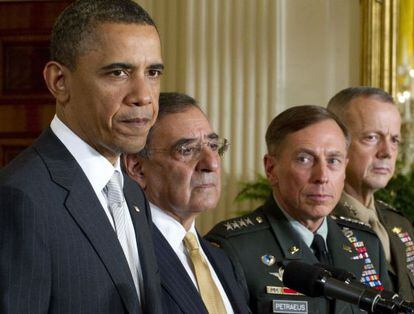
(305, 165)
(374, 123)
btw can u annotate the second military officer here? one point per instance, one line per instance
(305, 165)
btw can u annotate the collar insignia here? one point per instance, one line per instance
(347, 248)
(396, 230)
(293, 249)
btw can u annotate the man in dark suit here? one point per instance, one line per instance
(374, 123)
(179, 170)
(305, 166)
(75, 234)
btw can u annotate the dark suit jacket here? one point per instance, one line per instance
(178, 291)
(58, 251)
(261, 243)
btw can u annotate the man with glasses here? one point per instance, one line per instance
(305, 166)
(179, 170)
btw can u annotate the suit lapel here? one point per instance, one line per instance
(174, 277)
(214, 259)
(88, 213)
(141, 219)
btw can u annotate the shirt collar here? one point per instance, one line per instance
(96, 167)
(356, 208)
(171, 229)
(305, 233)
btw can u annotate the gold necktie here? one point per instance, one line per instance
(208, 289)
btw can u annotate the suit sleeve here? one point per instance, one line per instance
(25, 276)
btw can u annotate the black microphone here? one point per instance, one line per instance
(315, 282)
(350, 278)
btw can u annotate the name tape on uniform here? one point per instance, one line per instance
(290, 307)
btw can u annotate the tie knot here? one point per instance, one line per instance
(318, 243)
(114, 190)
(190, 242)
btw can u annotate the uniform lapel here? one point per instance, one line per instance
(342, 250)
(293, 247)
(88, 213)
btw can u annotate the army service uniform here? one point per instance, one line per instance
(261, 243)
(401, 236)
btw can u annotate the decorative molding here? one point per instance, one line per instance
(22, 58)
(379, 44)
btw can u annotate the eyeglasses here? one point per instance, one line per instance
(192, 150)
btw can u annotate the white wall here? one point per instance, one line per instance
(247, 60)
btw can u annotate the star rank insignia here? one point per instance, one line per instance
(248, 221)
(235, 225)
(228, 226)
(350, 208)
(242, 223)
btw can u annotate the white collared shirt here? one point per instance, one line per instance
(305, 234)
(174, 233)
(99, 171)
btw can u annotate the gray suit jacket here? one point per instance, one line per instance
(58, 251)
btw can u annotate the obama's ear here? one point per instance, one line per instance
(56, 78)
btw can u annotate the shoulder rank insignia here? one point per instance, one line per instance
(387, 205)
(350, 208)
(355, 221)
(238, 223)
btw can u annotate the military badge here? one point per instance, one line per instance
(369, 274)
(268, 259)
(293, 249)
(281, 290)
(409, 247)
(279, 274)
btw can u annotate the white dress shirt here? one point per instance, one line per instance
(174, 232)
(98, 170)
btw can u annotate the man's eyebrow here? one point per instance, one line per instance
(332, 153)
(336, 153)
(157, 66)
(182, 141)
(117, 65)
(212, 136)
